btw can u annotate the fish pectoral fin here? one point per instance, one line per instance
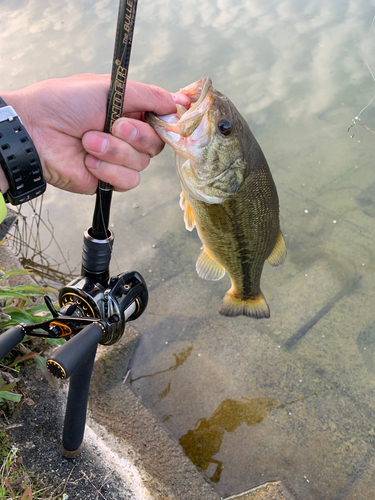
(207, 267)
(278, 254)
(182, 200)
(188, 212)
(188, 216)
(253, 307)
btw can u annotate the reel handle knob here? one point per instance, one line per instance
(10, 339)
(68, 357)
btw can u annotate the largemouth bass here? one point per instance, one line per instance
(227, 192)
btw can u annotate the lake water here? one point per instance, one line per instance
(292, 397)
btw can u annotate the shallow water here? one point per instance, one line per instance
(289, 398)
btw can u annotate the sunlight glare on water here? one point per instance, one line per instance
(289, 398)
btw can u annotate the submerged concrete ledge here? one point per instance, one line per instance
(135, 434)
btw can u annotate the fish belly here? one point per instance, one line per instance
(239, 235)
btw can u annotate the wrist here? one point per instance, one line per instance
(21, 174)
(15, 98)
(4, 184)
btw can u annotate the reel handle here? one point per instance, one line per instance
(10, 339)
(63, 363)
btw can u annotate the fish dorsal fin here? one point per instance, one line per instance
(207, 267)
(188, 213)
(278, 254)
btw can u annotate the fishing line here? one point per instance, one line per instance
(357, 118)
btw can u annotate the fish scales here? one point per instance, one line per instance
(228, 193)
(238, 242)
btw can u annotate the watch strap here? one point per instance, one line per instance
(19, 159)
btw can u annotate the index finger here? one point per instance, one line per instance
(143, 97)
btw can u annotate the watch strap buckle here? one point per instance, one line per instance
(7, 113)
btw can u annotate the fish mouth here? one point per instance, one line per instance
(187, 126)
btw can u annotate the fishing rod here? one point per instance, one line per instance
(93, 308)
(120, 66)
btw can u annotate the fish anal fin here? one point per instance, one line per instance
(207, 267)
(253, 307)
(278, 254)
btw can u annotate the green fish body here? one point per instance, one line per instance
(228, 194)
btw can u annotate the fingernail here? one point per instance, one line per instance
(95, 143)
(124, 129)
(182, 99)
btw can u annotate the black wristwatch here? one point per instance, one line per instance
(19, 159)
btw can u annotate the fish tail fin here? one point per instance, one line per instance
(253, 307)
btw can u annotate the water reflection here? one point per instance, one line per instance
(36, 31)
(283, 53)
(202, 443)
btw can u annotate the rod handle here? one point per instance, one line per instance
(10, 339)
(63, 363)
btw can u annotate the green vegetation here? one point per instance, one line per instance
(17, 304)
(16, 483)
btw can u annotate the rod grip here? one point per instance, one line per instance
(63, 363)
(10, 339)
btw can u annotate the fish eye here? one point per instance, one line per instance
(224, 126)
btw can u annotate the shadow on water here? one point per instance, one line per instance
(366, 347)
(366, 200)
(202, 443)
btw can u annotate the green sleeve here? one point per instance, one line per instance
(3, 208)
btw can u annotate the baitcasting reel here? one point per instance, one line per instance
(124, 299)
(94, 309)
(105, 309)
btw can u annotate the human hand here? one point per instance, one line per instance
(65, 117)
